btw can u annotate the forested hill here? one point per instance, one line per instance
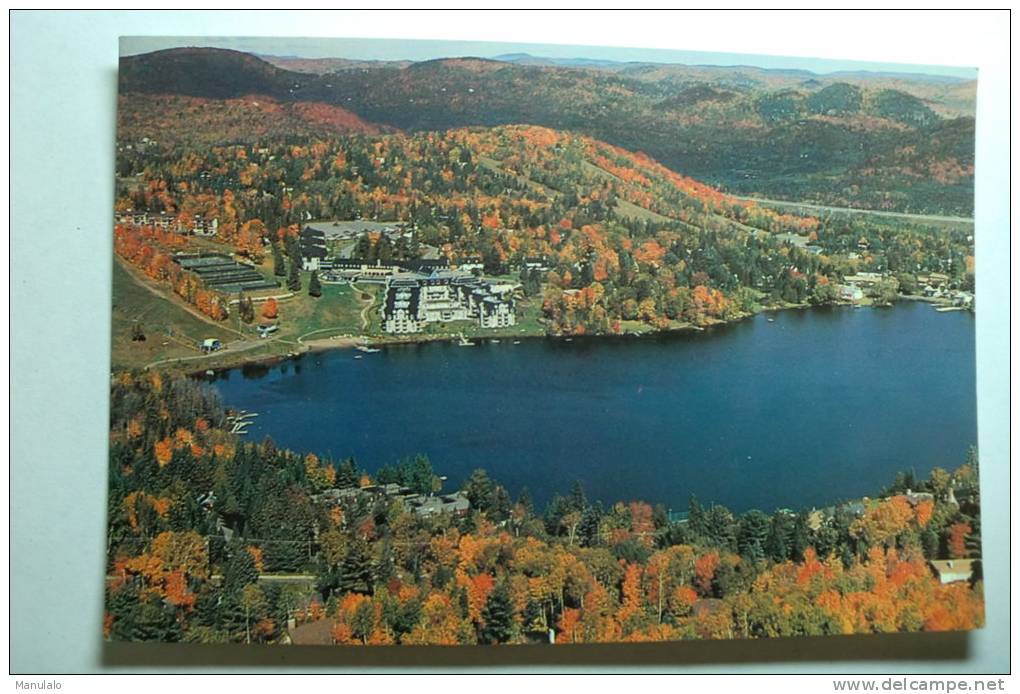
(624, 237)
(203, 524)
(885, 143)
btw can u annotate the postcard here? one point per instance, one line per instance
(546, 345)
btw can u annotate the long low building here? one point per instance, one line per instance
(223, 273)
(413, 301)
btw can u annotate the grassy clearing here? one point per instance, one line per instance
(497, 166)
(171, 331)
(338, 311)
(632, 211)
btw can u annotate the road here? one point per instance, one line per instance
(854, 210)
(229, 348)
(366, 309)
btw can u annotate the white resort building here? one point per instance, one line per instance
(415, 300)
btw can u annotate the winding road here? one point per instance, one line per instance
(855, 210)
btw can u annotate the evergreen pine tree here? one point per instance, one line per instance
(753, 534)
(695, 516)
(356, 569)
(525, 502)
(497, 617)
(479, 489)
(123, 605)
(577, 500)
(800, 538)
(347, 474)
(240, 569)
(154, 621)
(294, 279)
(314, 287)
(279, 266)
(500, 507)
(588, 530)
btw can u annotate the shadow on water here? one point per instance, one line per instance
(255, 370)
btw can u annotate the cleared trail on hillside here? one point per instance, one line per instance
(854, 210)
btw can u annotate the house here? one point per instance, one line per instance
(965, 299)
(914, 498)
(850, 292)
(267, 330)
(471, 264)
(536, 263)
(866, 279)
(211, 344)
(953, 570)
(456, 503)
(313, 248)
(428, 506)
(203, 226)
(165, 221)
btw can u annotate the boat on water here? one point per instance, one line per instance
(517, 342)
(357, 356)
(771, 320)
(366, 349)
(494, 341)
(569, 339)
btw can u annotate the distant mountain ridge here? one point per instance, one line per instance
(748, 130)
(529, 59)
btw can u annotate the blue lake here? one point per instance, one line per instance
(804, 409)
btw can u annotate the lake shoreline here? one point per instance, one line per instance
(736, 400)
(341, 342)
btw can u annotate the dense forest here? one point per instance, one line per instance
(625, 238)
(881, 143)
(197, 516)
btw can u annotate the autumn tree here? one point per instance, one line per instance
(245, 308)
(269, 309)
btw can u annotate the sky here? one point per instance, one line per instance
(408, 49)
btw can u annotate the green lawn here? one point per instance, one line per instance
(170, 330)
(337, 311)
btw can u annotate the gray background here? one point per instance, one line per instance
(63, 96)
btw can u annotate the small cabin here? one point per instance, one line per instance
(267, 330)
(952, 570)
(211, 344)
